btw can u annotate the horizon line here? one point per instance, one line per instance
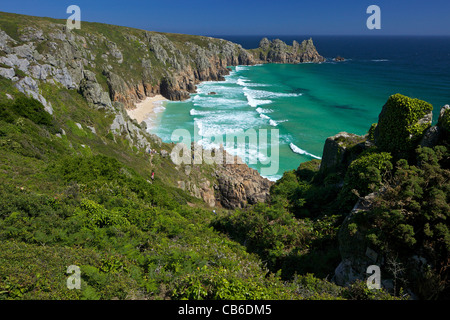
(245, 35)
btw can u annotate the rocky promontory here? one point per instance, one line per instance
(277, 51)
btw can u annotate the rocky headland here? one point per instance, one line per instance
(277, 51)
(114, 68)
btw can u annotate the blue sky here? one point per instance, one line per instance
(249, 17)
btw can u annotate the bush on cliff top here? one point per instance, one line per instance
(399, 129)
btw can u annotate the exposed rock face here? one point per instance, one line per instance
(339, 59)
(203, 191)
(131, 130)
(232, 185)
(431, 137)
(444, 119)
(202, 64)
(277, 51)
(355, 253)
(93, 92)
(340, 150)
(240, 185)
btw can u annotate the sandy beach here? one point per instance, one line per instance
(145, 110)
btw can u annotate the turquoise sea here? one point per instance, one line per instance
(307, 103)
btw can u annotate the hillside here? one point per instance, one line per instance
(76, 187)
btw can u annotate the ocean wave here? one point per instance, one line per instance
(298, 150)
(213, 123)
(247, 153)
(241, 68)
(253, 101)
(273, 178)
(207, 88)
(194, 112)
(273, 123)
(159, 109)
(258, 94)
(246, 83)
(207, 102)
(242, 82)
(261, 110)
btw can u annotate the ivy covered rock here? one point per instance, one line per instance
(401, 123)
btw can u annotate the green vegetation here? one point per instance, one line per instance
(400, 130)
(136, 239)
(22, 106)
(70, 195)
(444, 121)
(364, 175)
(410, 218)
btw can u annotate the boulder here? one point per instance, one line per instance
(340, 150)
(12, 60)
(32, 34)
(5, 41)
(265, 44)
(431, 137)
(7, 73)
(339, 59)
(93, 92)
(354, 248)
(239, 185)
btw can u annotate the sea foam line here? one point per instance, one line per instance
(298, 150)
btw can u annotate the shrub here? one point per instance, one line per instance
(364, 175)
(25, 107)
(271, 232)
(95, 215)
(371, 133)
(399, 129)
(410, 218)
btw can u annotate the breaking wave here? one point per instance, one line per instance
(298, 150)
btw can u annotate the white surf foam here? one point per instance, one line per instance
(241, 68)
(253, 101)
(298, 150)
(273, 178)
